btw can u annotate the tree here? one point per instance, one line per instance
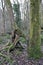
(3, 15)
(11, 15)
(26, 12)
(35, 40)
(16, 8)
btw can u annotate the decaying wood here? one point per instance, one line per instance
(16, 39)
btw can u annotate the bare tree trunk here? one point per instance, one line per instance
(3, 15)
(10, 12)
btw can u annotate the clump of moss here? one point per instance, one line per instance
(35, 53)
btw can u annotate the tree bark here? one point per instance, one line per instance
(3, 15)
(11, 15)
(35, 40)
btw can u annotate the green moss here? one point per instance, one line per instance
(8, 2)
(22, 40)
(1, 40)
(35, 52)
(7, 36)
(35, 39)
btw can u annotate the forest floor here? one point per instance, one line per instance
(17, 57)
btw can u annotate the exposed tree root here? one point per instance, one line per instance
(7, 46)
